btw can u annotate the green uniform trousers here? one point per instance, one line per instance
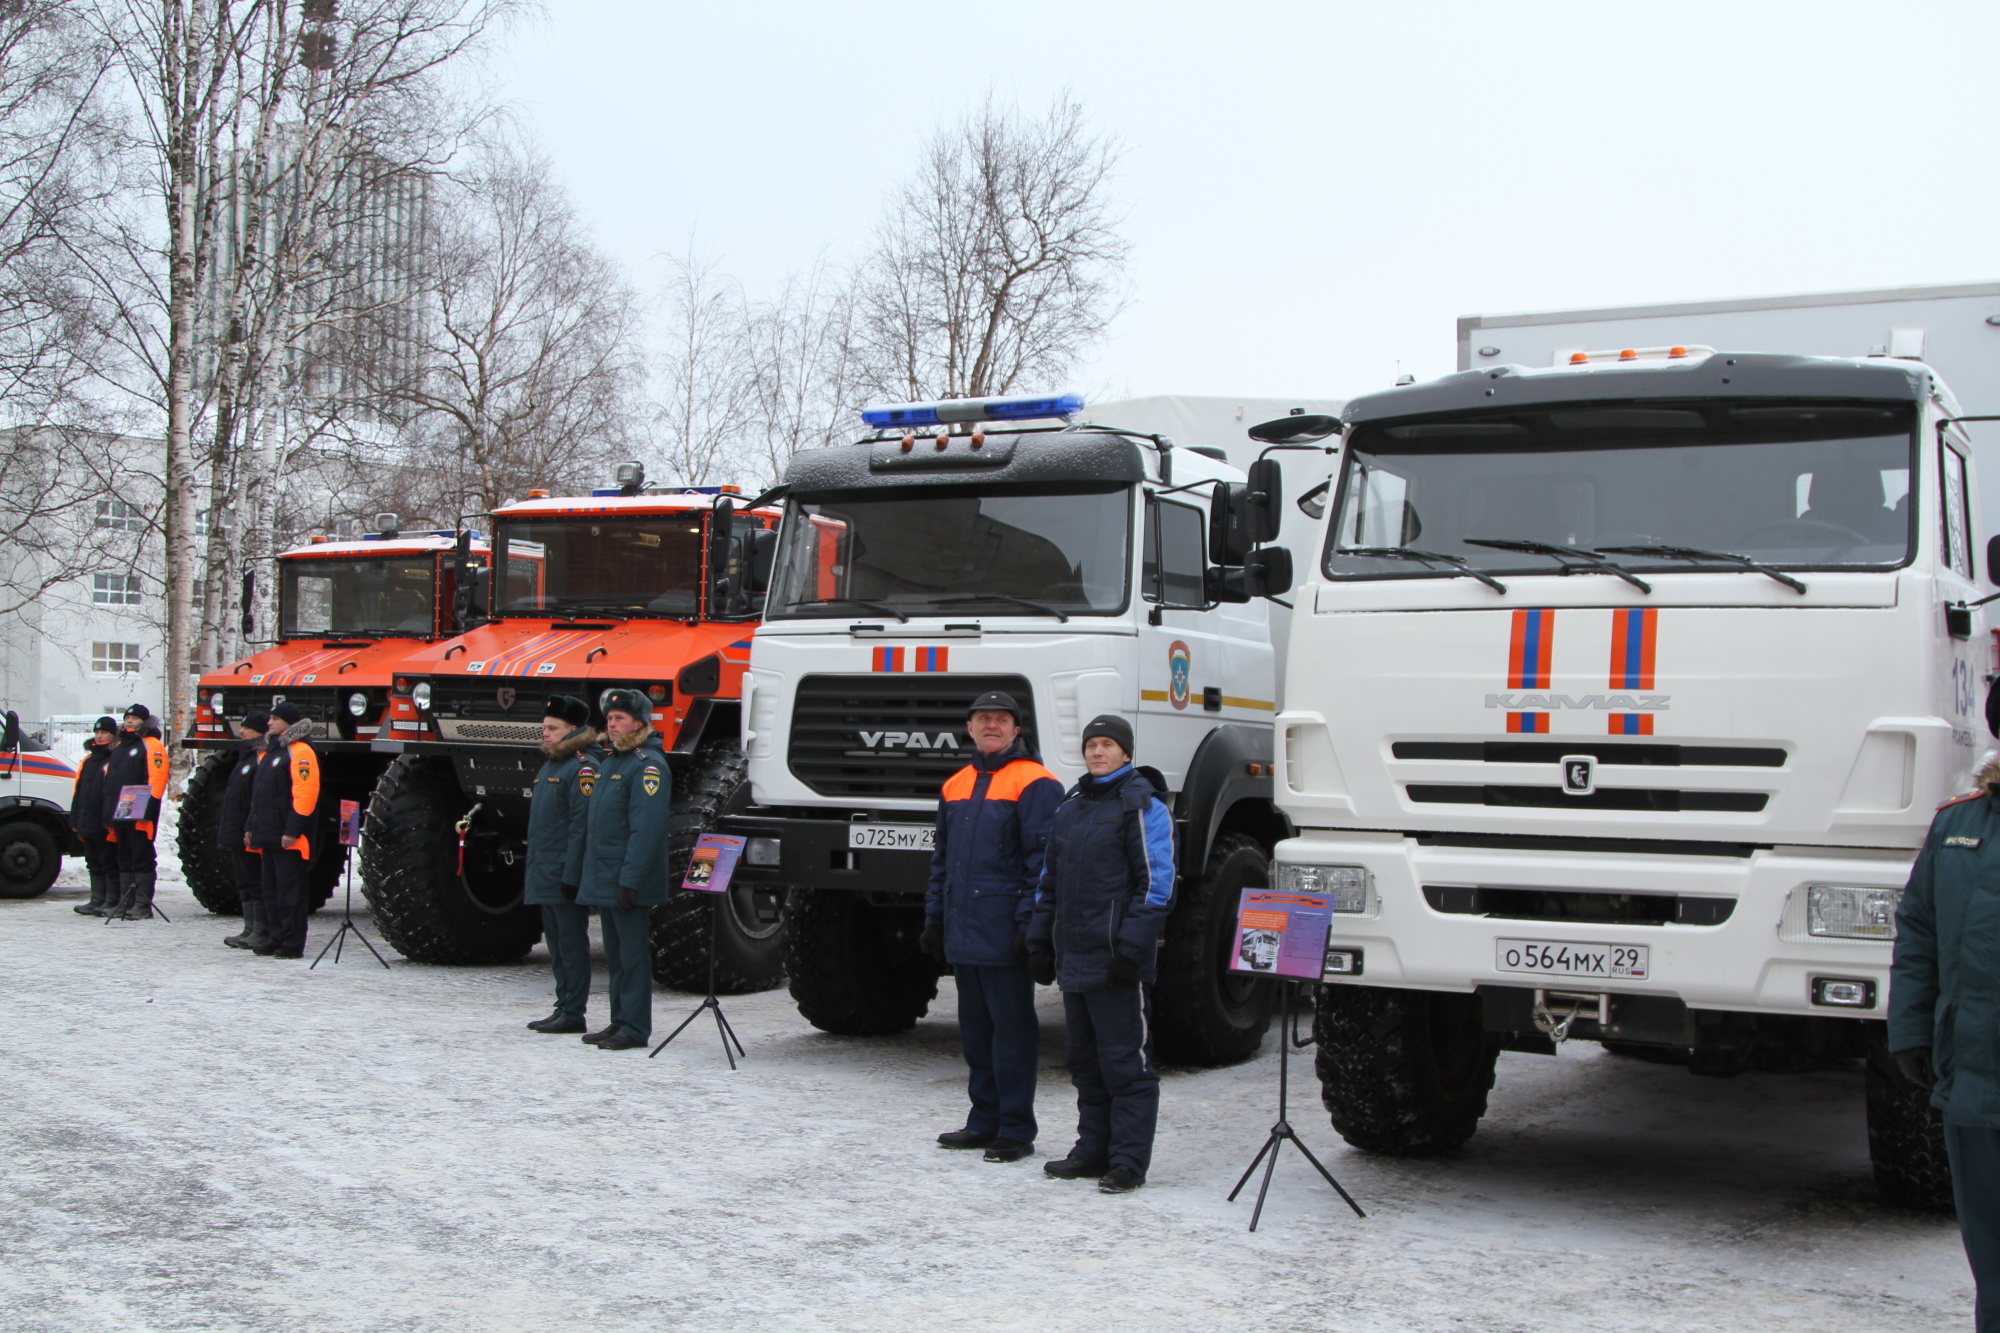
(566, 928)
(628, 953)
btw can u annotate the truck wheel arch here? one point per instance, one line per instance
(1220, 793)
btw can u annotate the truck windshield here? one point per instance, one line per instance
(1793, 486)
(389, 595)
(1003, 551)
(646, 565)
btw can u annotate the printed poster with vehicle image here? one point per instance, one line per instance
(132, 803)
(1282, 934)
(712, 863)
(350, 823)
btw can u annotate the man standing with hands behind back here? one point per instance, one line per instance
(625, 862)
(558, 819)
(993, 817)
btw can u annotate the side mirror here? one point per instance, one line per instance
(10, 737)
(1266, 500)
(1226, 585)
(1993, 559)
(462, 582)
(1268, 572)
(249, 622)
(1299, 428)
(763, 550)
(482, 592)
(1228, 523)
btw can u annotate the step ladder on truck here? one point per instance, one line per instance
(631, 587)
(348, 613)
(1002, 544)
(1620, 699)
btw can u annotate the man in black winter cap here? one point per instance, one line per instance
(1107, 886)
(558, 819)
(284, 809)
(138, 765)
(230, 824)
(86, 819)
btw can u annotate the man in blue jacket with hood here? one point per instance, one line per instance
(1944, 1012)
(625, 861)
(1107, 887)
(993, 816)
(558, 820)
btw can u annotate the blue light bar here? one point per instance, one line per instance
(951, 410)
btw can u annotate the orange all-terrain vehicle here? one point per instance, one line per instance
(348, 613)
(645, 590)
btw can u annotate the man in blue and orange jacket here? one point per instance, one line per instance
(284, 813)
(992, 821)
(138, 763)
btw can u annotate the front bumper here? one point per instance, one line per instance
(813, 854)
(1753, 961)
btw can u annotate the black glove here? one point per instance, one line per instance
(1124, 971)
(932, 942)
(628, 901)
(1915, 1065)
(1020, 947)
(1042, 967)
(569, 892)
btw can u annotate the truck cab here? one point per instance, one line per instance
(35, 791)
(348, 613)
(1620, 699)
(983, 545)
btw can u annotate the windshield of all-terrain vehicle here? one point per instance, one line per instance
(389, 595)
(1797, 487)
(639, 566)
(948, 549)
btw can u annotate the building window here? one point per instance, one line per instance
(114, 659)
(202, 522)
(114, 589)
(118, 514)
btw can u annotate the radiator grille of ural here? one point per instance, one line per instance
(829, 714)
(510, 733)
(479, 697)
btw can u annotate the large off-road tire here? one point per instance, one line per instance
(409, 863)
(749, 953)
(855, 968)
(1204, 1014)
(30, 860)
(1403, 1072)
(1905, 1139)
(210, 877)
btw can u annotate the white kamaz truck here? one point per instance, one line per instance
(985, 545)
(1619, 701)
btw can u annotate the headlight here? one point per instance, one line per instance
(420, 695)
(215, 702)
(1346, 885)
(357, 704)
(1834, 911)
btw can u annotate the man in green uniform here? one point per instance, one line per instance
(625, 862)
(1944, 1009)
(558, 818)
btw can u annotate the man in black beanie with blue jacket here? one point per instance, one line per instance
(1106, 889)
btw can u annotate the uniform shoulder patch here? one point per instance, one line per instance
(650, 780)
(1961, 800)
(586, 779)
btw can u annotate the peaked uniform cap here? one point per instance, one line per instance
(996, 701)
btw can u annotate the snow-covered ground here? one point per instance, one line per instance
(195, 1138)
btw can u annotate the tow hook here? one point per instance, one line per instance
(1555, 1010)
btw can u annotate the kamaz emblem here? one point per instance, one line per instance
(908, 740)
(1604, 703)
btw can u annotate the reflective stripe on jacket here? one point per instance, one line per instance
(284, 792)
(993, 817)
(630, 809)
(1107, 879)
(559, 817)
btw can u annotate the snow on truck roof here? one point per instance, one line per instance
(412, 545)
(664, 502)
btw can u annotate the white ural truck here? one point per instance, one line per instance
(984, 545)
(35, 791)
(1619, 702)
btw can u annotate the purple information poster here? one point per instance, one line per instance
(350, 823)
(1282, 934)
(712, 863)
(132, 803)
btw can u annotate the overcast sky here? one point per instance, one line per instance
(1314, 192)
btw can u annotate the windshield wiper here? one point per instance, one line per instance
(1001, 597)
(1698, 553)
(883, 607)
(1583, 559)
(1458, 565)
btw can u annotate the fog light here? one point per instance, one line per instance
(1346, 885)
(1837, 912)
(357, 704)
(762, 852)
(420, 695)
(1844, 992)
(1343, 962)
(215, 702)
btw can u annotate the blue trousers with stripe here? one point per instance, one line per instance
(1109, 1049)
(1002, 1040)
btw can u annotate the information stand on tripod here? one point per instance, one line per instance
(1283, 936)
(709, 869)
(350, 836)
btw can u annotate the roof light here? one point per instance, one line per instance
(1063, 405)
(537, 493)
(1578, 358)
(1676, 353)
(1629, 354)
(630, 477)
(1626, 356)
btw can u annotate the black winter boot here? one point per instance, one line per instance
(141, 902)
(241, 939)
(100, 891)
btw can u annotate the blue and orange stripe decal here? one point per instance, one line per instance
(550, 644)
(41, 765)
(888, 659)
(294, 673)
(931, 659)
(926, 658)
(1634, 637)
(1528, 655)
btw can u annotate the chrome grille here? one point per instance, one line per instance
(829, 713)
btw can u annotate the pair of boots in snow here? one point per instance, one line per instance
(255, 935)
(125, 896)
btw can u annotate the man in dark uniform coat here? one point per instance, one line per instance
(625, 862)
(284, 808)
(558, 819)
(229, 827)
(139, 765)
(86, 820)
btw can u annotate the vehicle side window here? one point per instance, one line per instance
(1957, 523)
(1174, 561)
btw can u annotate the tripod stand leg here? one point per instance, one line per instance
(1277, 1144)
(722, 1031)
(1341, 1189)
(1252, 1167)
(322, 951)
(722, 1020)
(677, 1031)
